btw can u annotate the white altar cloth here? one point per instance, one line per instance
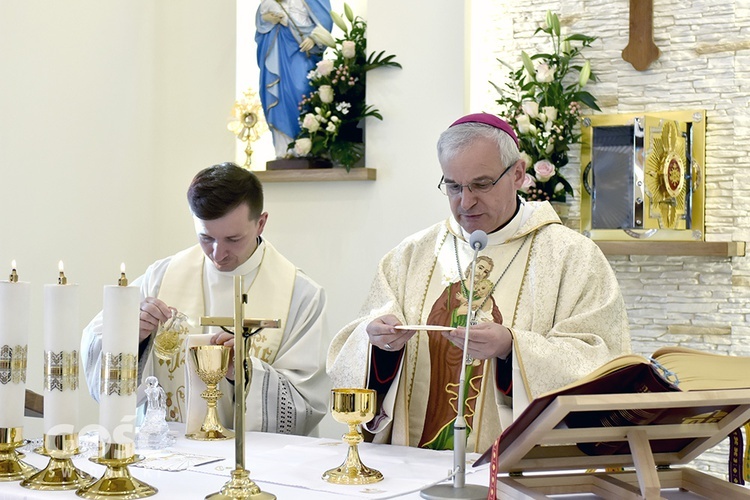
(290, 467)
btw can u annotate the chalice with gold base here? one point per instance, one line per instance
(211, 363)
(353, 406)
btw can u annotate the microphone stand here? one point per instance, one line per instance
(459, 488)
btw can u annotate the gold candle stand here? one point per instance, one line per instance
(354, 407)
(240, 486)
(60, 473)
(116, 481)
(11, 467)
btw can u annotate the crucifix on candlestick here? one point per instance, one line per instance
(240, 486)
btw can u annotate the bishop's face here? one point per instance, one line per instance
(230, 240)
(480, 163)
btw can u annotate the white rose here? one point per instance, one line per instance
(544, 73)
(302, 146)
(550, 112)
(559, 187)
(325, 67)
(331, 128)
(524, 124)
(326, 93)
(348, 49)
(310, 123)
(531, 108)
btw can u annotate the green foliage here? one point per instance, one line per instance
(542, 101)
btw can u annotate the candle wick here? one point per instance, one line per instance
(62, 280)
(123, 281)
(13, 276)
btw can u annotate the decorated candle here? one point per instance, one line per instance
(15, 302)
(117, 397)
(62, 339)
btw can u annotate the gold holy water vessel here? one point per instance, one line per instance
(170, 336)
(211, 363)
(353, 406)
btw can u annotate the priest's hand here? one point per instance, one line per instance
(153, 312)
(226, 339)
(486, 340)
(384, 336)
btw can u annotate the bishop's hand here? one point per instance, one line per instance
(486, 340)
(384, 336)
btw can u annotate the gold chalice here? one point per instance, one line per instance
(353, 407)
(211, 362)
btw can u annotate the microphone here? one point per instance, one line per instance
(477, 241)
(459, 489)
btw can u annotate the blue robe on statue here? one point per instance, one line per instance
(283, 67)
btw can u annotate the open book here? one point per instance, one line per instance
(670, 369)
(689, 369)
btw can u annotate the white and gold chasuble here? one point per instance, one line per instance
(445, 280)
(559, 296)
(269, 282)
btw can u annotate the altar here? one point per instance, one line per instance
(288, 466)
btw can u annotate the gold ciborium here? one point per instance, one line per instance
(353, 407)
(211, 363)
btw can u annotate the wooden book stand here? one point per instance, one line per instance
(688, 424)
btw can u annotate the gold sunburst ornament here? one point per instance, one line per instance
(665, 175)
(248, 124)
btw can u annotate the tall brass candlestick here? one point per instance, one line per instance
(240, 487)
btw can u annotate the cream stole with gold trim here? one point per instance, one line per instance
(487, 425)
(269, 297)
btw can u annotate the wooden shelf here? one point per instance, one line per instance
(692, 248)
(317, 175)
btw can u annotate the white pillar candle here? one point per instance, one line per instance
(15, 302)
(62, 339)
(120, 316)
